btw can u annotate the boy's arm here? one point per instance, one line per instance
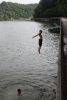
(35, 36)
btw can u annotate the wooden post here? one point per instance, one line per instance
(62, 68)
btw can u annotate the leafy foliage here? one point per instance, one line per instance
(51, 8)
(9, 11)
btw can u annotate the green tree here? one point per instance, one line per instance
(51, 8)
(10, 10)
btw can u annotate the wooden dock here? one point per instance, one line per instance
(62, 66)
(51, 19)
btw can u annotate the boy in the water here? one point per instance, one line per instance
(40, 40)
(19, 91)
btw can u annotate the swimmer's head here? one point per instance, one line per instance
(19, 91)
(40, 31)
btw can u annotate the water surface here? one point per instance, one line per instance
(20, 64)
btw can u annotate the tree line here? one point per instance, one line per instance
(51, 8)
(11, 11)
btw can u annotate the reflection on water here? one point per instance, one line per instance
(22, 67)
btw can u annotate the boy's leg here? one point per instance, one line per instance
(39, 49)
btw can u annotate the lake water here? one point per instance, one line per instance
(21, 66)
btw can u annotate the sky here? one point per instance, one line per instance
(22, 1)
